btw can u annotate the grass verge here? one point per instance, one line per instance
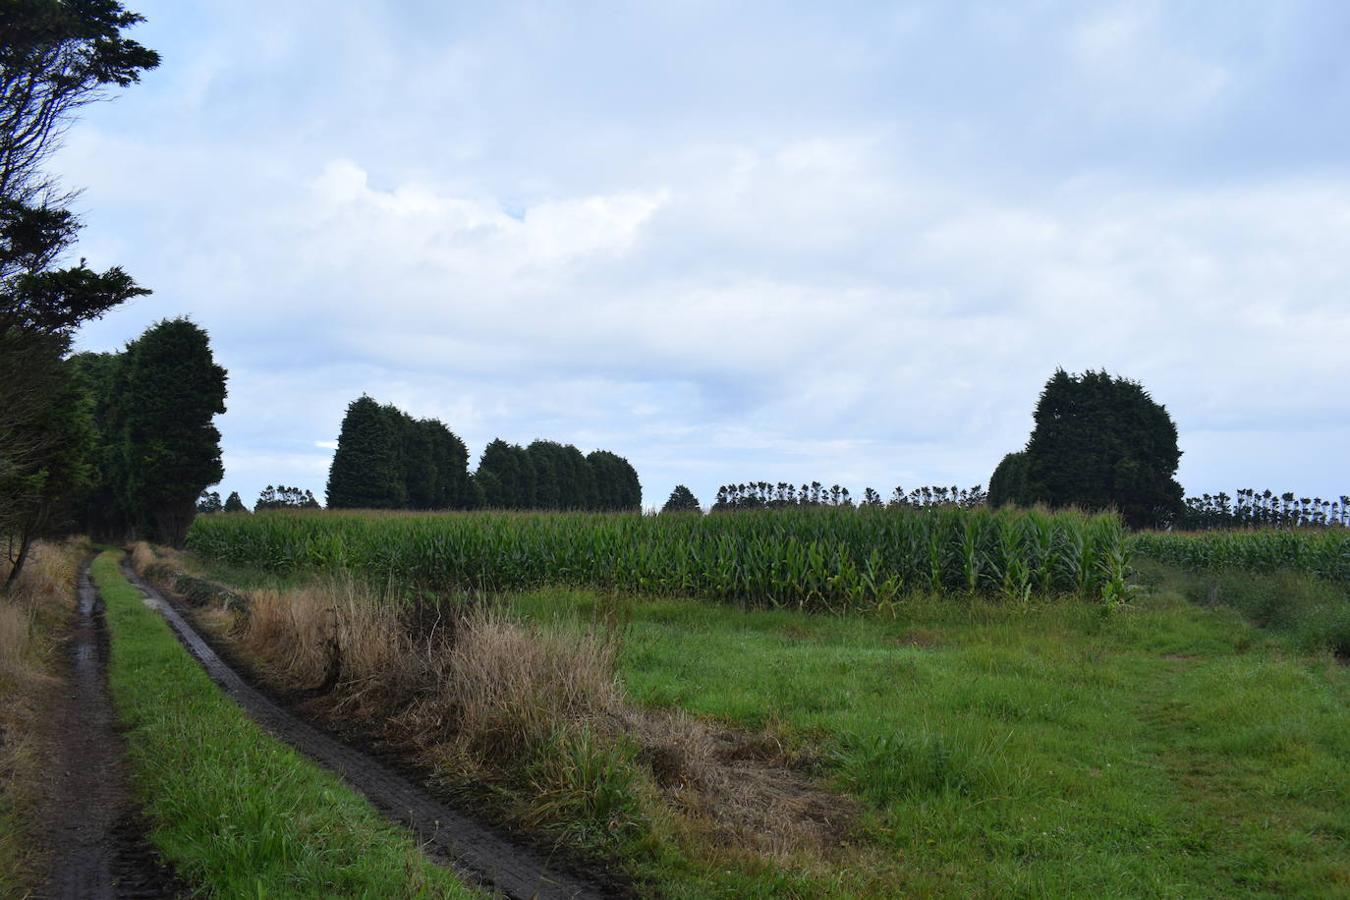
(232, 808)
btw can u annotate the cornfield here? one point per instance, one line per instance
(1321, 552)
(820, 559)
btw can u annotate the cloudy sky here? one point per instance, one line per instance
(841, 242)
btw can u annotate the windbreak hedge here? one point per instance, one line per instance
(829, 559)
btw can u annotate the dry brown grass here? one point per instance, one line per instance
(143, 559)
(31, 617)
(505, 686)
(483, 698)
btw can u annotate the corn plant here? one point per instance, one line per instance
(820, 558)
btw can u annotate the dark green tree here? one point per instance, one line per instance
(616, 482)
(507, 476)
(233, 504)
(1008, 484)
(54, 440)
(366, 472)
(682, 500)
(169, 444)
(386, 459)
(208, 502)
(55, 56)
(1100, 442)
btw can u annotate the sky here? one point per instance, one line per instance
(841, 242)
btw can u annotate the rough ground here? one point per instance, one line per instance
(90, 818)
(479, 852)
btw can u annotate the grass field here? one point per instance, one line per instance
(1166, 746)
(234, 810)
(1164, 750)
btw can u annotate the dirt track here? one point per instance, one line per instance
(481, 854)
(92, 823)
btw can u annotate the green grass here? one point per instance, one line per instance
(1161, 749)
(232, 808)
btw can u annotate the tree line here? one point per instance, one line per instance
(1252, 509)
(64, 431)
(782, 495)
(386, 459)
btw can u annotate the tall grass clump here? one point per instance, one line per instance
(819, 559)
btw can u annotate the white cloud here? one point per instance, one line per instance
(831, 289)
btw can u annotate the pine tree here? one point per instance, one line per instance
(682, 500)
(233, 504)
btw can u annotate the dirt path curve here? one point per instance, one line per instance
(92, 821)
(482, 854)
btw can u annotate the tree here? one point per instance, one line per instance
(616, 482)
(1100, 442)
(208, 502)
(233, 504)
(386, 459)
(366, 469)
(682, 500)
(39, 482)
(1008, 484)
(54, 58)
(169, 445)
(507, 476)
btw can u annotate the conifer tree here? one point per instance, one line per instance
(365, 472)
(682, 500)
(233, 504)
(169, 446)
(1102, 442)
(1008, 484)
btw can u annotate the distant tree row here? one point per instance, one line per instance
(279, 497)
(766, 495)
(386, 459)
(1250, 509)
(283, 497)
(549, 475)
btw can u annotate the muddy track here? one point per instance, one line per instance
(480, 853)
(92, 822)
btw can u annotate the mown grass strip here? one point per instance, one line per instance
(232, 808)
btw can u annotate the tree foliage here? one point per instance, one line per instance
(233, 504)
(208, 503)
(549, 475)
(682, 500)
(386, 459)
(284, 497)
(55, 56)
(1008, 484)
(1102, 442)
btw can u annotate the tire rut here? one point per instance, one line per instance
(449, 836)
(93, 823)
